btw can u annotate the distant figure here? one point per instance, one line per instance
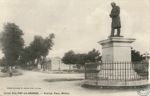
(116, 24)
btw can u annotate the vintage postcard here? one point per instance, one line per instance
(74, 47)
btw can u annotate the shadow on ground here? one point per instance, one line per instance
(7, 74)
(62, 79)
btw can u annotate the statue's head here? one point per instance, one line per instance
(113, 4)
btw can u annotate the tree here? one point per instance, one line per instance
(37, 51)
(93, 56)
(140, 65)
(12, 43)
(47, 45)
(27, 56)
(136, 56)
(69, 58)
(81, 58)
(36, 48)
(3, 62)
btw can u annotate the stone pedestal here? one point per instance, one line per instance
(116, 56)
(116, 49)
(116, 68)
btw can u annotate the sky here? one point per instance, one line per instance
(77, 24)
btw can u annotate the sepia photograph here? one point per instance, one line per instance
(74, 47)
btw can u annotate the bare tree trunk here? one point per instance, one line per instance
(85, 72)
(44, 63)
(69, 67)
(10, 71)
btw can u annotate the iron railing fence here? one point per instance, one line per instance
(125, 71)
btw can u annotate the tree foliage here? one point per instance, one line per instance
(14, 51)
(12, 43)
(37, 51)
(93, 56)
(140, 64)
(136, 56)
(71, 57)
(81, 59)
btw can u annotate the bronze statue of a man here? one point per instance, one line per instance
(116, 23)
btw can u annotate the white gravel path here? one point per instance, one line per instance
(35, 82)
